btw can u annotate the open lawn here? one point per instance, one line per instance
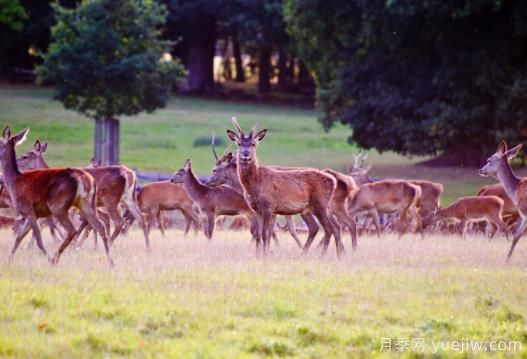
(164, 140)
(190, 298)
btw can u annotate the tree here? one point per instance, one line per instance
(105, 60)
(12, 14)
(193, 24)
(418, 77)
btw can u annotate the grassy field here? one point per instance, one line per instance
(189, 298)
(164, 140)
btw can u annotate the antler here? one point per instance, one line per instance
(212, 146)
(253, 130)
(226, 151)
(235, 123)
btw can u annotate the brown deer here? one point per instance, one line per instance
(271, 191)
(215, 201)
(115, 186)
(430, 199)
(47, 192)
(516, 188)
(166, 196)
(226, 172)
(510, 212)
(473, 209)
(388, 196)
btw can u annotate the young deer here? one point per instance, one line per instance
(215, 201)
(473, 209)
(510, 212)
(47, 192)
(165, 196)
(516, 188)
(115, 186)
(271, 191)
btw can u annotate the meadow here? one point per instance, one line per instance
(163, 140)
(190, 298)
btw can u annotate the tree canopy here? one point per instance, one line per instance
(417, 77)
(106, 58)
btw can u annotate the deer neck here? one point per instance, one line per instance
(248, 175)
(508, 180)
(193, 186)
(234, 181)
(10, 167)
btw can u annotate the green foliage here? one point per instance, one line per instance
(12, 14)
(417, 77)
(105, 58)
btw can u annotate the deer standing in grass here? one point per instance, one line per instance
(516, 188)
(215, 201)
(115, 187)
(272, 191)
(473, 209)
(226, 172)
(48, 192)
(510, 212)
(156, 197)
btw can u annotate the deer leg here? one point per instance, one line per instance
(321, 212)
(84, 228)
(520, 228)
(272, 229)
(136, 212)
(292, 229)
(117, 220)
(70, 234)
(312, 227)
(209, 227)
(344, 218)
(503, 226)
(267, 215)
(53, 230)
(37, 234)
(463, 228)
(375, 216)
(91, 216)
(159, 218)
(22, 231)
(188, 222)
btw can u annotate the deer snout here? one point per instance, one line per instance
(245, 155)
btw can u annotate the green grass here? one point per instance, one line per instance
(192, 299)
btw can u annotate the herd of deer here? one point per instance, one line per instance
(240, 186)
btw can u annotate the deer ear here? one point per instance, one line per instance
(44, 147)
(502, 148)
(233, 136)
(260, 135)
(7, 133)
(21, 136)
(37, 146)
(513, 152)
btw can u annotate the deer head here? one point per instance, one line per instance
(9, 142)
(502, 155)
(179, 176)
(95, 163)
(358, 171)
(224, 171)
(246, 143)
(34, 159)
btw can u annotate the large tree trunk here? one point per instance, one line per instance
(106, 141)
(200, 58)
(264, 71)
(240, 75)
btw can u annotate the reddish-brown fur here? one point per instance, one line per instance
(271, 191)
(473, 208)
(45, 192)
(166, 196)
(510, 212)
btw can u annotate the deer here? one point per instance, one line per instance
(272, 191)
(166, 196)
(47, 192)
(430, 199)
(225, 172)
(473, 209)
(115, 186)
(388, 196)
(510, 212)
(516, 188)
(215, 201)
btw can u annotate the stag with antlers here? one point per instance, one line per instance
(47, 192)
(272, 191)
